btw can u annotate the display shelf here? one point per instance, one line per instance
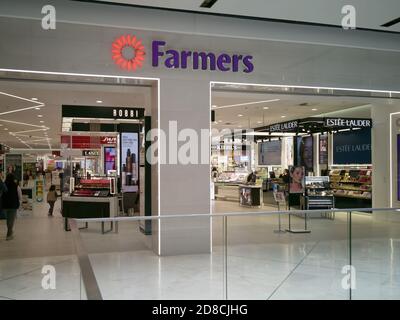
(39, 190)
(351, 196)
(351, 183)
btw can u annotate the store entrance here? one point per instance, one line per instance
(276, 149)
(83, 135)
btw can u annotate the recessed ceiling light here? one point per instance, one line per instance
(99, 101)
(34, 99)
(314, 109)
(240, 115)
(283, 116)
(266, 108)
(37, 108)
(41, 121)
(40, 116)
(259, 121)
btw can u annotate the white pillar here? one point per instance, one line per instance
(184, 189)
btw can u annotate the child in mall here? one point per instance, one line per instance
(51, 199)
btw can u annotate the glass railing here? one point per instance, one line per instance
(287, 255)
(36, 267)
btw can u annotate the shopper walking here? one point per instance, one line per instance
(11, 201)
(3, 189)
(51, 199)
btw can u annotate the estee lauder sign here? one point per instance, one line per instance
(347, 123)
(284, 126)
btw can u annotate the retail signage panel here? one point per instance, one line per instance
(90, 153)
(110, 157)
(269, 153)
(323, 149)
(129, 53)
(129, 161)
(352, 147)
(296, 180)
(108, 140)
(13, 164)
(290, 126)
(347, 123)
(95, 112)
(304, 152)
(87, 142)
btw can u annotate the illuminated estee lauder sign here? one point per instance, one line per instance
(348, 123)
(284, 126)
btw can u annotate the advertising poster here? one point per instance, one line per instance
(289, 151)
(245, 197)
(269, 153)
(110, 157)
(129, 161)
(14, 165)
(305, 152)
(296, 181)
(352, 147)
(323, 149)
(29, 173)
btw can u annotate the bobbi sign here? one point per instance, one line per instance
(129, 53)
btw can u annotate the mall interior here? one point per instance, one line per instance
(261, 180)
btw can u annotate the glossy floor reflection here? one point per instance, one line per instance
(261, 264)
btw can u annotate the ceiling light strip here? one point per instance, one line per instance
(23, 109)
(21, 98)
(245, 104)
(24, 124)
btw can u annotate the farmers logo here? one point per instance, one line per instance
(128, 52)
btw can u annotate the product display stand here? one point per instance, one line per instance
(280, 201)
(305, 230)
(279, 221)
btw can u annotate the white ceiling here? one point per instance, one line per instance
(370, 14)
(287, 107)
(51, 96)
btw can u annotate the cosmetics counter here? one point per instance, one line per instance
(90, 198)
(352, 187)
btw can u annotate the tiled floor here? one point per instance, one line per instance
(261, 264)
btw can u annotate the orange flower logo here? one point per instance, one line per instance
(125, 45)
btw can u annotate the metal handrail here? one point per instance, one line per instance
(230, 214)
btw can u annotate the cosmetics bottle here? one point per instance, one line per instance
(128, 167)
(133, 158)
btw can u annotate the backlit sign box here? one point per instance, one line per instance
(348, 123)
(284, 126)
(96, 112)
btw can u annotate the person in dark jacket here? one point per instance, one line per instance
(3, 189)
(11, 202)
